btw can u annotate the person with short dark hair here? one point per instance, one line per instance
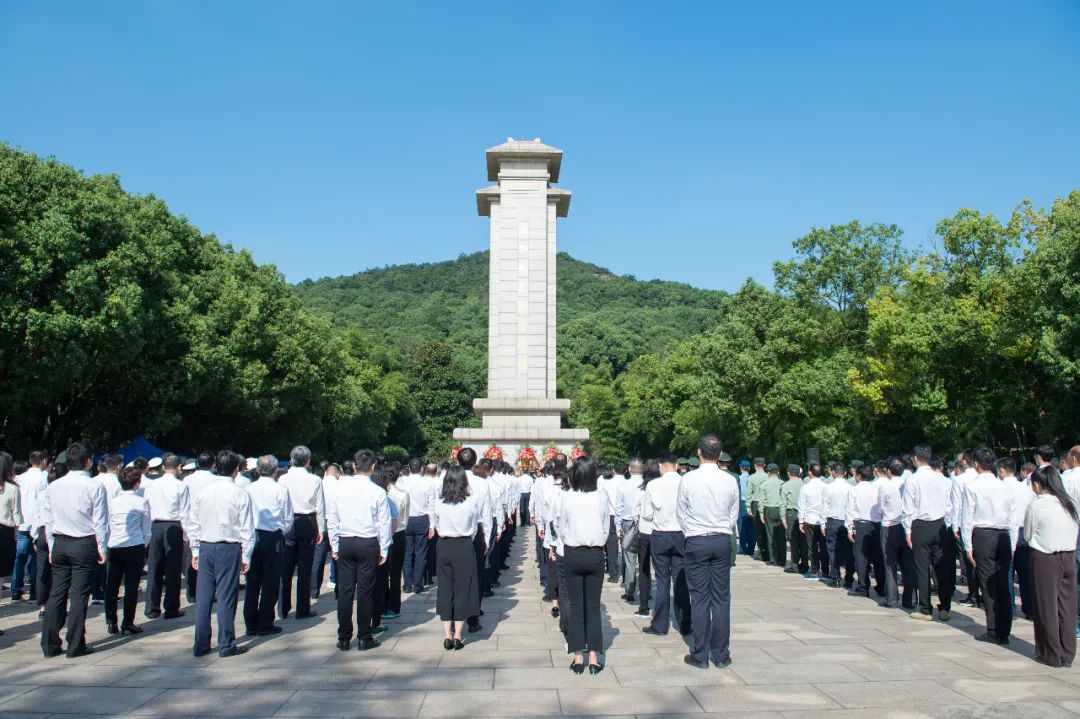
(196, 482)
(986, 525)
(222, 535)
(74, 512)
(1006, 471)
(170, 504)
(129, 533)
(797, 562)
(32, 482)
(358, 521)
(708, 508)
(927, 502)
(753, 499)
(894, 548)
(834, 509)
(455, 518)
(965, 474)
(864, 530)
(10, 514)
(812, 524)
(581, 523)
(667, 546)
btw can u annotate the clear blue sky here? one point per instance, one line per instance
(700, 138)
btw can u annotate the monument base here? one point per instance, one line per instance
(512, 423)
(511, 441)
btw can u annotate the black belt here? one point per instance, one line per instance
(68, 536)
(166, 521)
(312, 514)
(988, 529)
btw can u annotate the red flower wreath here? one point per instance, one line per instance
(527, 458)
(494, 453)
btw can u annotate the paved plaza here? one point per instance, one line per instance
(799, 650)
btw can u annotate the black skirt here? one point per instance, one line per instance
(7, 550)
(458, 597)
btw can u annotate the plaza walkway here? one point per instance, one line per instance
(799, 650)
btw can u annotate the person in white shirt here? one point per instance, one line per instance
(196, 482)
(109, 479)
(10, 514)
(708, 509)
(75, 516)
(421, 488)
(1006, 470)
(479, 487)
(1051, 528)
(812, 523)
(221, 530)
(582, 523)
(965, 473)
(358, 520)
(322, 549)
(402, 502)
(273, 519)
(668, 547)
(927, 502)
(986, 525)
(864, 531)
(609, 484)
(129, 533)
(834, 508)
(525, 483)
(309, 504)
(641, 546)
(894, 547)
(455, 517)
(170, 505)
(31, 483)
(627, 502)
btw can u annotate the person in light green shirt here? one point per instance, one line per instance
(798, 557)
(753, 502)
(772, 503)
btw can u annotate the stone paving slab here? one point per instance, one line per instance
(800, 650)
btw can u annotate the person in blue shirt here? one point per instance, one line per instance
(746, 522)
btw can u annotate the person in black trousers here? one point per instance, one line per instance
(273, 518)
(455, 516)
(927, 502)
(170, 505)
(129, 533)
(74, 509)
(582, 522)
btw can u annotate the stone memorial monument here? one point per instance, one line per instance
(521, 407)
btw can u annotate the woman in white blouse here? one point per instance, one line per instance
(455, 518)
(582, 526)
(1050, 527)
(129, 533)
(10, 514)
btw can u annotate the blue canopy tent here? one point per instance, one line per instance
(138, 447)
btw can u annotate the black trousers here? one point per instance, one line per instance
(797, 547)
(481, 568)
(263, 581)
(523, 509)
(75, 566)
(668, 556)
(644, 570)
(993, 559)
(708, 576)
(760, 532)
(611, 550)
(1053, 592)
(817, 549)
(357, 559)
(551, 589)
(839, 546)
(868, 554)
(584, 582)
(191, 575)
(124, 567)
(44, 568)
(165, 563)
(298, 558)
(935, 550)
(898, 556)
(971, 576)
(382, 587)
(397, 564)
(774, 527)
(416, 551)
(458, 594)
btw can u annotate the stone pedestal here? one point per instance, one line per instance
(521, 406)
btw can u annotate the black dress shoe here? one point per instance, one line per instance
(174, 615)
(85, 651)
(555, 612)
(987, 637)
(366, 644)
(577, 668)
(131, 629)
(652, 630)
(305, 615)
(250, 632)
(153, 614)
(487, 594)
(111, 628)
(690, 661)
(857, 593)
(458, 645)
(270, 632)
(724, 664)
(473, 628)
(448, 644)
(343, 645)
(237, 651)
(496, 584)
(596, 668)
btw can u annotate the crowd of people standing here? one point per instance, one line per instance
(667, 529)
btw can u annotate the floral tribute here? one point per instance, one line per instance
(527, 458)
(576, 453)
(550, 450)
(455, 452)
(494, 453)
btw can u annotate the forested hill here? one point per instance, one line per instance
(407, 305)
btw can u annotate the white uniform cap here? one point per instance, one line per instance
(188, 466)
(154, 463)
(250, 463)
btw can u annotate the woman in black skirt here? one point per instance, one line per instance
(455, 518)
(581, 522)
(10, 514)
